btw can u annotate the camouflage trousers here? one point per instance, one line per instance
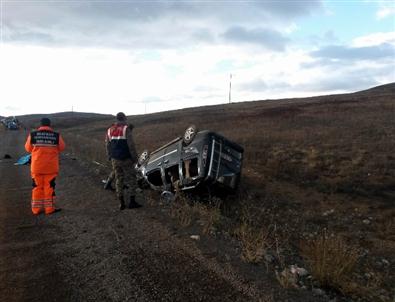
(125, 177)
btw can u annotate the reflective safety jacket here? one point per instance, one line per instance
(45, 145)
(120, 143)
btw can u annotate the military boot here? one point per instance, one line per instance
(121, 203)
(107, 184)
(133, 203)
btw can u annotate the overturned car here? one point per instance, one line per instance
(199, 158)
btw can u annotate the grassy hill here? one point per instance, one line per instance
(63, 119)
(337, 143)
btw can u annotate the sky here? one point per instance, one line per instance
(155, 55)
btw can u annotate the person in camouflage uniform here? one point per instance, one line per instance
(122, 152)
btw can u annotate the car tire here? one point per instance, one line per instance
(189, 134)
(143, 158)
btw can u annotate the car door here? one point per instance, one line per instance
(154, 172)
(171, 164)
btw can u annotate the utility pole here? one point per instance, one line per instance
(230, 88)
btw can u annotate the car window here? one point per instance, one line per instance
(190, 167)
(155, 178)
(172, 174)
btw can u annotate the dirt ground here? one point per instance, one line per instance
(92, 251)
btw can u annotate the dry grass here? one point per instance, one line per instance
(210, 217)
(86, 147)
(386, 228)
(254, 242)
(367, 291)
(186, 211)
(151, 197)
(286, 279)
(331, 261)
(181, 210)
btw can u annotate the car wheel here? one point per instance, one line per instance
(167, 197)
(144, 156)
(190, 134)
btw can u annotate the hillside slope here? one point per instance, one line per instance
(312, 167)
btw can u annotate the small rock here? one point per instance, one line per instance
(385, 261)
(7, 156)
(318, 292)
(366, 221)
(300, 271)
(329, 212)
(195, 237)
(269, 258)
(316, 283)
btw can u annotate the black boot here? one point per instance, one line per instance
(121, 204)
(107, 185)
(133, 204)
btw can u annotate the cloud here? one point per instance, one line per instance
(150, 24)
(374, 39)
(385, 12)
(378, 48)
(152, 99)
(291, 8)
(268, 38)
(346, 77)
(36, 36)
(338, 52)
(328, 37)
(205, 88)
(335, 83)
(255, 85)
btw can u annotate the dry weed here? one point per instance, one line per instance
(185, 211)
(151, 197)
(181, 210)
(386, 228)
(286, 279)
(210, 217)
(367, 290)
(331, 261)
(254, 242)
(87, 148)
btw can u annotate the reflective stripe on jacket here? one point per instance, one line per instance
(118, 142)
(45, 145)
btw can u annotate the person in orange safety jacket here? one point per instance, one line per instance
(45, 145)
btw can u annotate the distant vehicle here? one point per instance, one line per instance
(203, 158)
(11, 123)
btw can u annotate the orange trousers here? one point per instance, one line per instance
(43, 193)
